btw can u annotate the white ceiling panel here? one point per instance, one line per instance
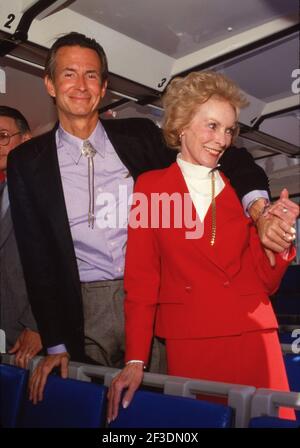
(180, 27)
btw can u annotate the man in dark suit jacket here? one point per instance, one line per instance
(16, 318)
(72, 267)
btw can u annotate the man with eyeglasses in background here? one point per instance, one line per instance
(16, 318)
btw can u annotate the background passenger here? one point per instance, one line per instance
(16, 318)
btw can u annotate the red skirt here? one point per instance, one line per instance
(253, 358)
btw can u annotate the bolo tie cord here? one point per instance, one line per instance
(89, 151)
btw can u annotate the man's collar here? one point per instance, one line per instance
(73, 145)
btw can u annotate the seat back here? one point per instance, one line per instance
(292, 365)
(155, 410)
(13, 384)
(67, 403)
(272, 422)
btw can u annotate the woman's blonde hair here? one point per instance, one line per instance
(184, 95)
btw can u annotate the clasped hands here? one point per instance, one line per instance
(276, 226)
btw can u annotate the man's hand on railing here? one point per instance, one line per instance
(39, 377)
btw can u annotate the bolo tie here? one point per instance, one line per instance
(89, 151)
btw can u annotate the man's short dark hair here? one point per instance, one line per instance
(71, 40)
(20, 120)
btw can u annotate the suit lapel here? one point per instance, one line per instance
(176, 183)
(5, 219)
(6, 228)
(50, 196)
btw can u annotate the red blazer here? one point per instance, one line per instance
(189, 288)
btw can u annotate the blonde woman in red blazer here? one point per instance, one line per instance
(206, 296)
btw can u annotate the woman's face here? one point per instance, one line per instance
(210, 132)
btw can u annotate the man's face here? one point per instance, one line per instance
(8, 126)
(77, 85)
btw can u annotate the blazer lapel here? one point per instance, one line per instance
(47, 180)
(176, 183)
(6, 228)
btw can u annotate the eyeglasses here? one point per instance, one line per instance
(5, 137)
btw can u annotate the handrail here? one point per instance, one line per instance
(238, 396)
(268, 401)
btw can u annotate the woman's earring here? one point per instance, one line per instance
(181, 135)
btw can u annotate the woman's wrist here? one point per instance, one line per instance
(136, 361)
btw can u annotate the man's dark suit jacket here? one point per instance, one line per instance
(42, 227)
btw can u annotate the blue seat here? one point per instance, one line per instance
(67, 403)
(13, 384)
(292, 365)
(272, 422)
(154, 410)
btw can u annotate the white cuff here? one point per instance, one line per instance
(136, 361)
(251, 197)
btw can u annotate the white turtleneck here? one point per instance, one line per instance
(198, 180)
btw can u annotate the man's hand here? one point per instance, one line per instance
(43, 369)
(275, 227)
(129, 378)
(26, 347)
(285, 209)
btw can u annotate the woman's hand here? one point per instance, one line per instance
(129, 378)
